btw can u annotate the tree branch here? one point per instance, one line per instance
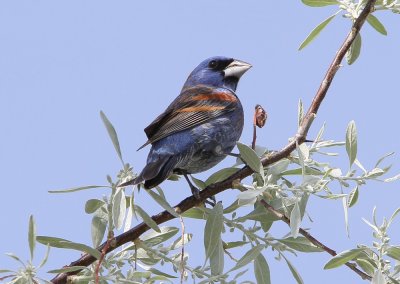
(244, 172)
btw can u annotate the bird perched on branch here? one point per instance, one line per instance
(199, 128)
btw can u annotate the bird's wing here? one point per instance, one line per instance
(192, 107)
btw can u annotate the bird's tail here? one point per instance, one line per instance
(134, 181)
(155, 172)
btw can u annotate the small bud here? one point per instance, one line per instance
(260, 116)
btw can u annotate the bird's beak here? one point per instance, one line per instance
(237, 68)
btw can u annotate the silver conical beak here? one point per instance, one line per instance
(237, 68)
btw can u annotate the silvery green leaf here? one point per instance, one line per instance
(378, 278)
(295, 220)
(178, 243)
(250, 157)
(294, 271)
(113, 134)
(354, 50)
(303, 204)
(336, 173)
(342, 258)
(375, 172)
(213, 229)
(346, 215)
(194, 213)
(376, 24)
(248, 257)
(32, 235)
(353, 197)
(366, 266)
(279, 167)
(13, 256)
(62, 243)
(119, 208)
(315, 32)
(301, 160)
(217, 259)
(351, 141)
(396, 177)
(161, 201)
(199, 183)
(300, 244)
(78, 188)
(98, 229)
(220, 175)
(375, 228)
(394, 252)
(160, 273)
(258, 214)
(383, 158)
(236, 244)
(147, 219)
(300, 113)
(45, 258)
(261, 270)
(154, 238)
(305, 151)
(92, 205)
(67, 269)
(231, 208)
(249, 197)
(357, 162)
(129, 214)
(393, 216)
(320, 3)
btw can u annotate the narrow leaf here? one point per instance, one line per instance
(217, 260)
(62, 243)
(162, 202)
(67, 269)
(250, 157)
(300, 244)
(32, 236)
(320, 3)
(261, 270)
(351, 141)
(92, 205)
(248, 257)
(154, 238)
(45, 258)
(315, 32)
(220, 175)
(346, 215)
(353, 197)
(342, 258)
(73, 189)
(113, 134)
(213, 230)
(295, 273)
(119, 208)
(354, 51)
(394, 252)
(147, 219)
(376, 24)
(300, 113)
(98, 230)
(295, 220)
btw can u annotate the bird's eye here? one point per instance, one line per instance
(213, 64)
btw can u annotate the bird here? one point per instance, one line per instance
(199, 128)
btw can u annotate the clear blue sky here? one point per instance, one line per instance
(62, 62)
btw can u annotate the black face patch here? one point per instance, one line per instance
(219, 64)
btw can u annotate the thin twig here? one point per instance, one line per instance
(103, 254)
(218, 187)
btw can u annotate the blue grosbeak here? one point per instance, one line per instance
(199, 128)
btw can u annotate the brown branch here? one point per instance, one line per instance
(244, 172)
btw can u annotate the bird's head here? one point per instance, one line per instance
(218, 71)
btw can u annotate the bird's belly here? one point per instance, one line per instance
(212, 142)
